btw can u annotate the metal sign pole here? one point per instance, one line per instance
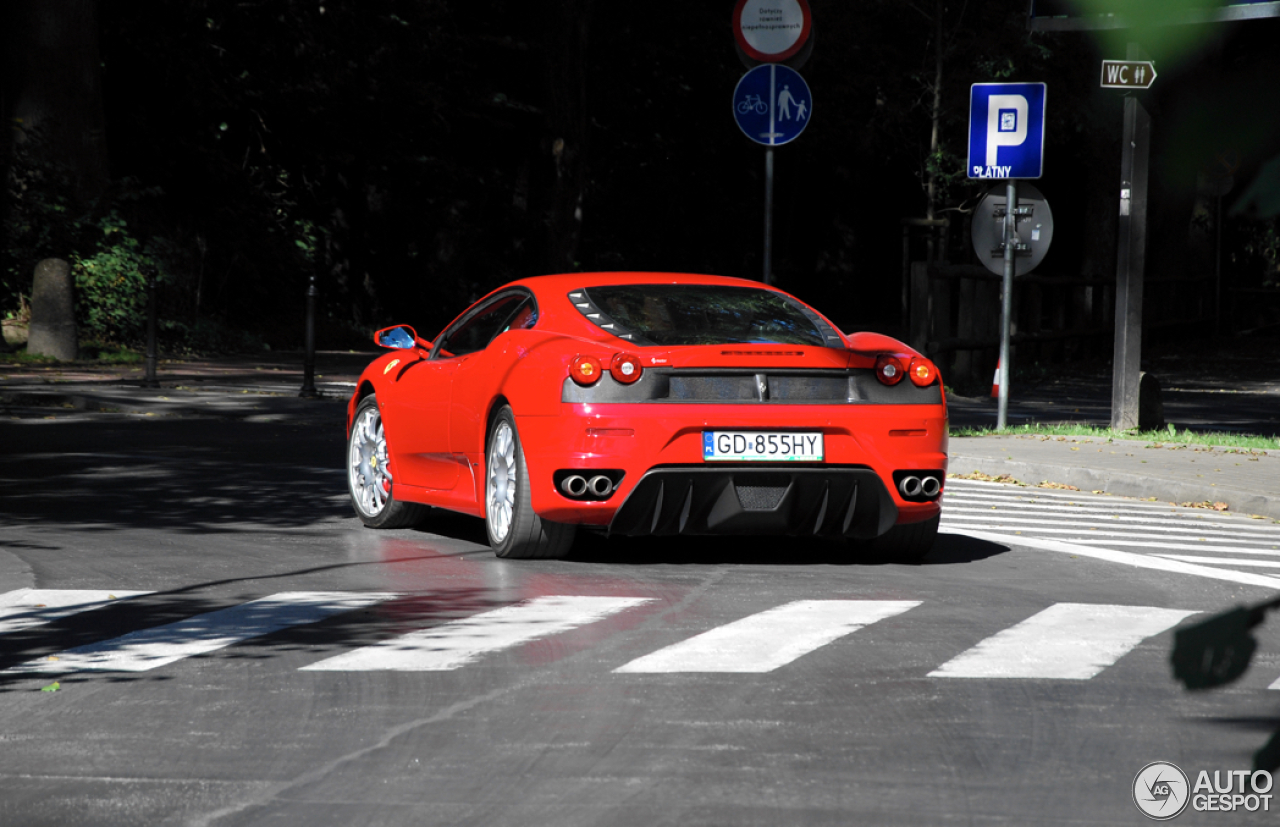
(309, 358)
(1006, 302)
(768, 216)
(150, 381)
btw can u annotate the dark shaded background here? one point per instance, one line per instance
(414, 154)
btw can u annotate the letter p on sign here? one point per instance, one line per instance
(1006, 123)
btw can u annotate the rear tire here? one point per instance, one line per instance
(514, 530)
(905, 543)
(369, 478)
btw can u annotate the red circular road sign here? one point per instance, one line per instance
(771, 30)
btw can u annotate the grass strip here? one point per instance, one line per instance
(1170, 437)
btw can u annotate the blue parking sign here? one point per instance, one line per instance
(772, 104)
(1006, 130)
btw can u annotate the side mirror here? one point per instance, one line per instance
(399, 337)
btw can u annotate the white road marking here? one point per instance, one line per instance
(151, 648)
(988, 518)
(1067, 641)
(1275, 685)
(1141, 561)
(1078, 507)
(1226, 561)
(765, 641)
(460, 642)
(25, 608)
(1069, 516)
(1207, 545)
(1093, 536)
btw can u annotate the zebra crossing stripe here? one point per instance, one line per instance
(25, 608)
(1067, 641)
(765, 641)
(151, 648)
(1207, 545)
(464, 641)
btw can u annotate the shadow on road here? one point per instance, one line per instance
(949, 549)
(181, 476)
(147, 613)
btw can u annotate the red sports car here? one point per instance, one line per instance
(650, 404)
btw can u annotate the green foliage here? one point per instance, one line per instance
(1259, 252)
(206, 336)
(948, 170)
(996, 68)
(111, 290)
(21, 357)
(1161, 438)
(38, 219)
(109, 354)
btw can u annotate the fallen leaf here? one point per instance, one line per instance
(53, 687)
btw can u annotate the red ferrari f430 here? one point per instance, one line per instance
(650, 404)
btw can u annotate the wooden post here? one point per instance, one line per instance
(1131, 244)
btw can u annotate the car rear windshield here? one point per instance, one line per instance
(707, 314)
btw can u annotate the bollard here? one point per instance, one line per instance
(309, 359)
(150, 380)
(53, 312)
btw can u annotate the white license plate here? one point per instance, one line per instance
(761, 446)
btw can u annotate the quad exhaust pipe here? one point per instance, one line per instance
(577, 486)
(920, 486)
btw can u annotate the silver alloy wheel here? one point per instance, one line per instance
(500, 493)
(367, 463)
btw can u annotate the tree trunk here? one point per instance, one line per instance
(54, 85)
(567, 129)
(936, 112)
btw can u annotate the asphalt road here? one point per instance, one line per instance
(287, 666)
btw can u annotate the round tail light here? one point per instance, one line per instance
(889, 369)
(922, 371)
(585, 370)
(626, 368)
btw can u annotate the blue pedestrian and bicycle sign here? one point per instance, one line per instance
(772, 104)
(1006, 130)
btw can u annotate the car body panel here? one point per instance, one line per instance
(437, 407)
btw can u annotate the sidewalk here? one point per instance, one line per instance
(265, 388)
(238, 387)
(1247, 481)
(1234, 390)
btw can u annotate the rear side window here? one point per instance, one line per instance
(704, 314)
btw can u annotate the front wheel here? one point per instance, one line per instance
(905, 543)
(513, 529)
(369, 473)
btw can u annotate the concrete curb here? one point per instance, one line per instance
(1122, 483)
